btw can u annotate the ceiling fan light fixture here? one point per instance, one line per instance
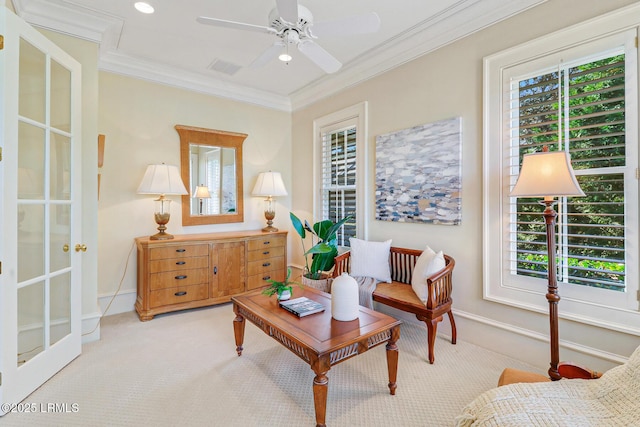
(144, 7)
(285, 57)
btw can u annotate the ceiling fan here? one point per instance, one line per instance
(293, 25)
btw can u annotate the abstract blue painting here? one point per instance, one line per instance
(419, 175)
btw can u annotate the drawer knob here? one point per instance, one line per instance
(265, 253)
(266, 264)
(181, 250)
(181, 293)
(266, 242)
(182, 276)
(215, 270)
(266, 278)
(180, 263)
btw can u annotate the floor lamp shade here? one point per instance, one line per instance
(162, 180)
(547, 175)
(270, 185)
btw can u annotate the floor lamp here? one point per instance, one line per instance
(548, 174)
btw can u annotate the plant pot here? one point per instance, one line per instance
(284, 295)
(323, 284)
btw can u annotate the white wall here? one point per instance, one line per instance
(437, 86)
(138, 119)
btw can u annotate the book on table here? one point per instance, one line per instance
(302, 306)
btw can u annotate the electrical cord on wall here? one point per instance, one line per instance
(124, 273)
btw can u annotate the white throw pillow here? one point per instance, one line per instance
(370, 259)
(428, 263)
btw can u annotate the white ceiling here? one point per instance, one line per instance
(170, 47)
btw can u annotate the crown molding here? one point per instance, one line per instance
(462, 19)
(150, 71)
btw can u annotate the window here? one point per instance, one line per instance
(574, 91)
(340, 178)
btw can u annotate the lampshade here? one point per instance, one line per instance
(269, 184)
(162, 179)
(546, 174)
(202, 192)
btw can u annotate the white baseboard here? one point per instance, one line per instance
(123, 302)
(519, 343)
(91, 327)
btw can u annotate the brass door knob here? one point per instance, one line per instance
(80, 247)
(65, 247)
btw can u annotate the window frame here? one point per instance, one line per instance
(355, 115)
(591, 37)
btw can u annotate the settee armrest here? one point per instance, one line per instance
(571, 370)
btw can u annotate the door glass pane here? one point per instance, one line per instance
(32, 82)
(30, 321)
(60, 167)
(60, 311)
(60, 236)
(31, 152)
(60, 97)
(30, 242)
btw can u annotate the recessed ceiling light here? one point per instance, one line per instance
(143, 7)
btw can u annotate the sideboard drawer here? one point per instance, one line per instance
(178, 264)
(266, 242)
(178, 251)
(172, 279)
(260, 280)
(259, 267)
(177, 295)
(266, 253)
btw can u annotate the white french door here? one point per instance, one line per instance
(40, 328)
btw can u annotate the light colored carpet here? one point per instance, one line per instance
(182, 369)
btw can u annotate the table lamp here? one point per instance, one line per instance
(269, 184)
(163, 180)
(202, 192)
(548, 174)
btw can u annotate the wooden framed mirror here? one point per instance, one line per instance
(211, 160)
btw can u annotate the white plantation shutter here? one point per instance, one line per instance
(575, 91)
(579, 108)
(339, 169)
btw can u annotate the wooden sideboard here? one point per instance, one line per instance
(197, 270)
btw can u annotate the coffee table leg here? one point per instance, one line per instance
(320, 388)
(392, 359)
(238, 330)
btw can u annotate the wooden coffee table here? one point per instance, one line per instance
(318, 339)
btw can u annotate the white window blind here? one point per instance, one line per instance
(579, 108)
(339, 191)
(577, 91)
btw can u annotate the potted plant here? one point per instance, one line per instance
(282, 289)
(324, 246)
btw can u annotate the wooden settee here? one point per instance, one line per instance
(400, 295)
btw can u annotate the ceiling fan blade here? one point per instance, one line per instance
(321, 57)
(349, 25)
(268, 55)
(235, 25)
(288, 10)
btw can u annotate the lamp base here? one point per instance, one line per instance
(269, 216)
(161, 236)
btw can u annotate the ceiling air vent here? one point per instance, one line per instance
(224, 67)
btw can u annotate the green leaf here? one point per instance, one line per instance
(297, 224)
